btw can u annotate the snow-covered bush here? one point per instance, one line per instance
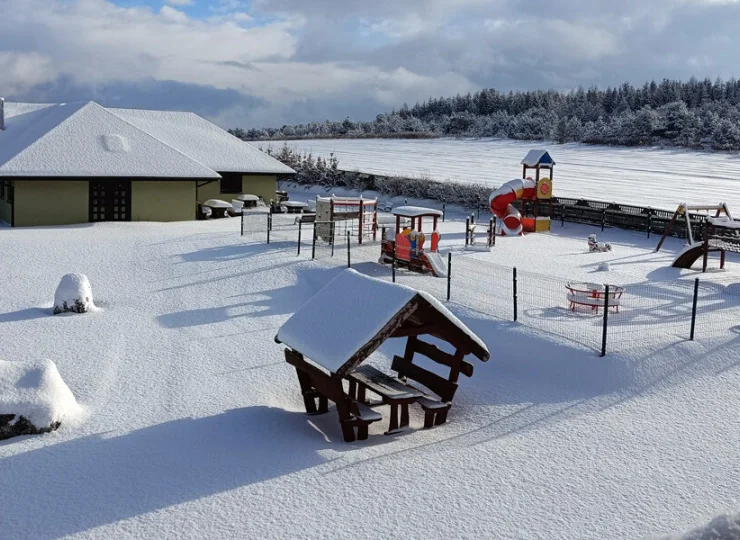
(73, 294)
(33, 398)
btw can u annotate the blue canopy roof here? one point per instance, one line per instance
(538, 157)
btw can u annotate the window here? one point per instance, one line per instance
(231, 183)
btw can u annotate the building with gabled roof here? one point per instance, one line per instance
(81, 162)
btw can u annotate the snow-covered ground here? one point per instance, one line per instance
(195, 425)
(646, 177)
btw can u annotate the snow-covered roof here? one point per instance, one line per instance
(345, 316)
(537, 157)
(86, 139)
(203, 141)
(415, 211)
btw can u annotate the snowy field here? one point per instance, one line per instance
(193, 424)
(646, 177)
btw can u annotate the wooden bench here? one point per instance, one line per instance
(364, 416)
(435, 411)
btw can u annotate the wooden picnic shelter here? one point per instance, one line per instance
(339, 328)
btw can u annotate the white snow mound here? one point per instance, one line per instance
(724, 527)
(73, 294)
(36, 391)
(603, 267)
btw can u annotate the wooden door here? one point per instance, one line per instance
(110, 200)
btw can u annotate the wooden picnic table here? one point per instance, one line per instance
(392, 391)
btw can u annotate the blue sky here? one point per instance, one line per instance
(271, 62)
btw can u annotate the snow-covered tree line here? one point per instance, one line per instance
(694, 114)
(326, 172)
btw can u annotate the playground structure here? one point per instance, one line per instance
(719, 234)
(473, 232)
(336, 216)
(537, 189)
(407, 246)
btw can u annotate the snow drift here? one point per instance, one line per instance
(33, 398)
(73, 294)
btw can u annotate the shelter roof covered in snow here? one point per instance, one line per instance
(538, 157)
(354, 314)
(87, 140)
(415, 211)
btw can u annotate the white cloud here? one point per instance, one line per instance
(329, 58)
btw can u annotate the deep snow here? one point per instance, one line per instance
(196, 426)
(642, 176)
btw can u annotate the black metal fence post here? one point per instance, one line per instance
(449, 275)
(649, 222)
(467, 230)
(242, 224)
(349, 251)
(444, 209)
(333, 236)
(606, 320)
(491, 232)
(269, 226)
(494, 231)
(477, 204)
(313, 243)
(516, 307)
(393, 263)
(603, 219)
(300, 230)
(693, 308)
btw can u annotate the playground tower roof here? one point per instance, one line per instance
(538, 157)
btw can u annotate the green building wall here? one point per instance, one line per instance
(162, 200)
(51, 202)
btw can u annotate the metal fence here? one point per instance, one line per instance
(623, 317)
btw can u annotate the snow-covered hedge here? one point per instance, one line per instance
(33, 398)
(320, 172)
(73, 294)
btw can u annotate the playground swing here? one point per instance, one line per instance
(713, 237)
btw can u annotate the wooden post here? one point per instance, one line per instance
(393, 263)
(668, 229)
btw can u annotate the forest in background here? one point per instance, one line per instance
(694, 114)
